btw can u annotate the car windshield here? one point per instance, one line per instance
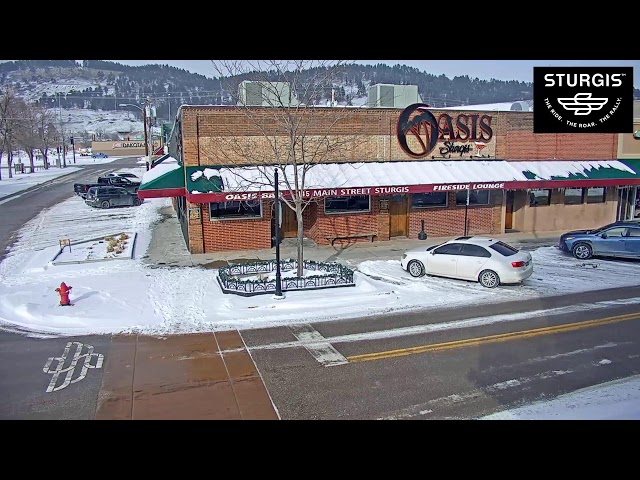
(598, 230)
(504, 249)
(432, 247)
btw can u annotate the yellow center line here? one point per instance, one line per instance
(502, 337)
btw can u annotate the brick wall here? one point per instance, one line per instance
(333, 225)
(449, 221)
(246, 234)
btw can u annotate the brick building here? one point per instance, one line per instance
(389, 175)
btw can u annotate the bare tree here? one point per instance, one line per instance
(9, 123)
(296, 130)
(47, 132)
(26, 134)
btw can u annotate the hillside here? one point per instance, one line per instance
(88, 96)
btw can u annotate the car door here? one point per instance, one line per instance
(632, 242)
(122, 195)
(611, 242)
(471, 260)
(443, 260)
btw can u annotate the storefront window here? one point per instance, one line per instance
(431, 199)
(355, 203)
(573, 196)
(596, 195)
(235, 210)
(476, 197)
(538, 197)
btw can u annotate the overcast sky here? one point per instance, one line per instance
(521, 70)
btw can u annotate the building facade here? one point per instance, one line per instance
(393, 173)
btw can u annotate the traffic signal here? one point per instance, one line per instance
(71, 140)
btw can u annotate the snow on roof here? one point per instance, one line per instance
(165, 167)
(373, 174)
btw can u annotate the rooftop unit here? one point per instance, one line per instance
(384, 95)
(265, 94)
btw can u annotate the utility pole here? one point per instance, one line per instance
(147, 136)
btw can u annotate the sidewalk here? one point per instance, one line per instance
(168, 248)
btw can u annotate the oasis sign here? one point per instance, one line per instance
(417, 122)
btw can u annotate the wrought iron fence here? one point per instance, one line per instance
(231, 281)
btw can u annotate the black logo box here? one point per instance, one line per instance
(615, 116)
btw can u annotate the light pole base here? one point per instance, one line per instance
(279, 297)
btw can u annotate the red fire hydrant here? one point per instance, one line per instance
(63, 290)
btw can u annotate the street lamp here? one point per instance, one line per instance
(147, 148)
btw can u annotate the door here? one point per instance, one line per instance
(398, 218)
(508, 218)
(613, 242)
(632, 242)
(444, 259)
(289, 228)
(471, 260)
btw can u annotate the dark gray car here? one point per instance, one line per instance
(107, 197)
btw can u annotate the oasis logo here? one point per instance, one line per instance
(419, 131)
(582, 99)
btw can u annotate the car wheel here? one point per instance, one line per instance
(105, 204)
(136, 202)
(582, 251)
(415, 268)
(489, 279)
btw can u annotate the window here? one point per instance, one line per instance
(236, 209)
(538, 198)
(448, 249)
(431, 199)
(355, 203)
(476, 197)
(634, 232)
(616, 232)
(474, 251)
(596, 195)
(504, 249)
(573, 196)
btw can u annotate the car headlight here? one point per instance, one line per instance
(569, 238)
(404, 255)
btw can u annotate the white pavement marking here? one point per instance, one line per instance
(317, 345)
(70, 370)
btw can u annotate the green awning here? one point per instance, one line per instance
(204, 179)
(163, 181)
(580, 170)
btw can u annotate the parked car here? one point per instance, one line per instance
(107, 197)
(81, 189)
(99, 155)
(130, 176)
(127, 183)
(487, 261)
(617, 240)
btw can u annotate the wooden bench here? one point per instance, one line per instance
(353, 235)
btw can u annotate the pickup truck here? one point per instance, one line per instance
(82, 188)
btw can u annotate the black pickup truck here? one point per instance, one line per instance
(82, 188)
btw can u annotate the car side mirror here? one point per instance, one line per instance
(603, 234)
(432, 252)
